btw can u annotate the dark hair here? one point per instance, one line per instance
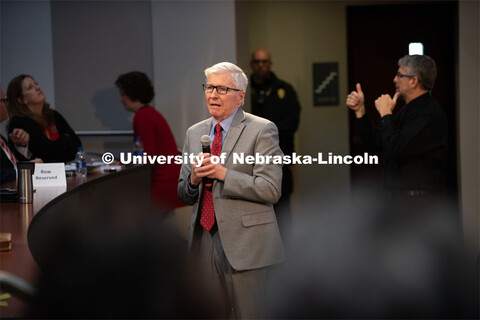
(136, 85)
(17, 108)
(115, 263)
(422, 67)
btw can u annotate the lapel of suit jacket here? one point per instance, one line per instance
(206, 128)
(233, 134)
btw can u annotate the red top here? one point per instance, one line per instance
(52, 132)
(157, 139)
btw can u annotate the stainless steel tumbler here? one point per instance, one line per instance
(25, 183)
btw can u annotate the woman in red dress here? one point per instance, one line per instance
(136, 92)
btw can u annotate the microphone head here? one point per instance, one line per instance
(205, 140)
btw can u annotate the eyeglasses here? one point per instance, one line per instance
(4, 100)
(256, 61)
(208, 88)
(400, 75)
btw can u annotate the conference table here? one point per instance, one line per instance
(32, 224)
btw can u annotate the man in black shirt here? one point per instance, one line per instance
(414, 141)
(276, 100)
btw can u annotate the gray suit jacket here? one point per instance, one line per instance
(244, 201)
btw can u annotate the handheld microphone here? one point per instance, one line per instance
(205, 140)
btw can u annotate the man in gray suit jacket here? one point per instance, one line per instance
(244, 239)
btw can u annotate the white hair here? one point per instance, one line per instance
(238, 75)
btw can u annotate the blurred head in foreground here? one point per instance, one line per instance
(122, 265)
(363, 259)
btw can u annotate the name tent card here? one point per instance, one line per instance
(49, 175)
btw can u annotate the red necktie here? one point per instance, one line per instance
(207, 219)
(9, 152)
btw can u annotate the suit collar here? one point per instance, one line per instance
(234, 132)
(207, 125)
(239, 118)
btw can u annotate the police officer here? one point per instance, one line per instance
(276, 100)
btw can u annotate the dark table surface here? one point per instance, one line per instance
(14, 219)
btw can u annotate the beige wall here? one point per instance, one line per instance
(468, 120)
(299, 34)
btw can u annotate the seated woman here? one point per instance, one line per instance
(51, 137)
(136, 93)
(12, 150)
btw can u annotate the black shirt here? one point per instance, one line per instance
(276, 101)
(414, 143)
(61, 150)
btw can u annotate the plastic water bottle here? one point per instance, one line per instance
(138, 147)
(81, 163)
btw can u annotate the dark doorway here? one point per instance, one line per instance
(378, 36)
